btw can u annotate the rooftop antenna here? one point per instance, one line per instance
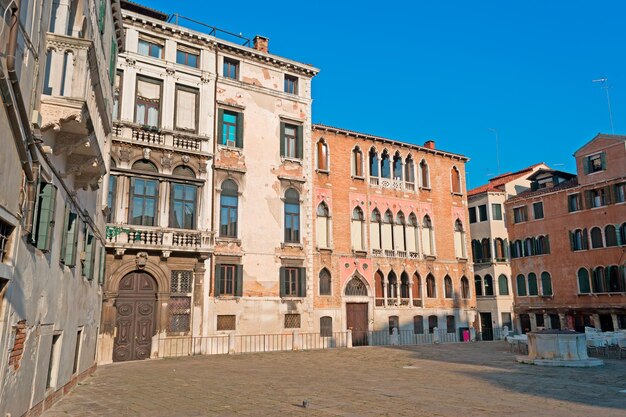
(497, 148)
(605, 85)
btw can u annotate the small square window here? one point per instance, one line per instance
(574, 202)
(231, 68)
(620, 192)
(149, 48)
(292, 321)
(538, 210)
(291, 84)
(482, 213)
(496, 211)
(186, 57)
(226, 322)
(519, 214)
(472, 214)
(595, 163)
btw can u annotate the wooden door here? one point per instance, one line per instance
(136, 317)
(486, 326)
(357, 321)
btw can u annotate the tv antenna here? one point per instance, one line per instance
(604, 84)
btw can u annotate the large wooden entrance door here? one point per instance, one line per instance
(136, 317)
(486, 326)
(357, 321)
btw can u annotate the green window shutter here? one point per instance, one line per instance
(217, 279)
(90, 252)
(618, 235)
(282, 139)
(239, 281)
(603, 160)
(64, 236)
(299, 146)
(102, 266)
(113, 60)
(101, 14)
(301, 282)
(282, 283)
(239, 142)
(92, 256)
(220, 127)
(571, 240)
(506, 249)
(570, 204)
(588, 199)
(45, 216)
(71, 242)
(586, 162)
(534, 248)
(585, 239)
(546, 248)
(609, 197)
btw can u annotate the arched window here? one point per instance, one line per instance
(579, 239)
(229, 202)
(517, 246)
(387, 231)
(622, 234)
(478, 285)
(322, 155)
(521, 286)
(292, 216)
(325, 282)
(431, 288)
(424, 174)
(418, 325)
(326, 326)
(503, 285)
(394, 323)
(447, 286)
(597, 280)
(529, 249)
(499, 249)
(392, 285)
(596, 238)
(183, 205)
(379, 285)
(357, 162)
(485, 248)
(543, 245)
(144, 196)
(583, 281)
(610, 235)
(488, 285)
(411, 236)
(399, 232)
(404, 285)
(409, 173)
(432, 323)
(397, 166)
(532, 284)
(614, 282)
(546, 284)
(183, 171)
(376, 230)
(455, 178)
(356, 288)
(428, 237)
(356, 228)
(374, 165)
(417, 286)
(385, 165)
(323, 226)
(459, 239)
(465, 289)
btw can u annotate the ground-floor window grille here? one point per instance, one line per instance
(182, 282)
(180, 314)
(292, 321)
(326, 326)
(226, 322)
(5, 231)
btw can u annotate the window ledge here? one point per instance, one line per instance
(359, 252)
(229, 148)
(324, 249)
(227, 240)
(284, 159)
(425, 188)
(323, 171)
(223, 297)
(358, 177)
(462, 259)
(430, 257)
(457, 193)
(296, 245)
(284, 299)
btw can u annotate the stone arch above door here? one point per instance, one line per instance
(160, 275)
(356, 287)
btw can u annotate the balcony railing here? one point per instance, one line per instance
(401, 254)
(391, 253)
(394, 184)
(176, 140)
(126, 236)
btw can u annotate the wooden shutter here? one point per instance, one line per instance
(101, 13)
(71, 245)
(220, 126)
(281, 281)
(239, 142)
(282, 138)
(299, 150)
(506, 249)
(90, 255)
(113, 61)
(588, 199)
(546, 248)
(239, 280)
(102, 266)
(64, 235)
(586, 163)
(45, 218)
(217, 279)
(585, 240)
(609, 196)
(603, 160)
(571, 240)
(301, 282)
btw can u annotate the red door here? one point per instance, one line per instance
(136, 317)
(357, 321)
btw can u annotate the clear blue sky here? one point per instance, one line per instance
(450, 70)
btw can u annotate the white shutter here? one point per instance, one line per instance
(426, 246)
(458, 250)
(186, 109)
(411, 238)
(374, 236)
(148, 90)
(322, 232)
(356, 233)
(398, 237)
(387, 241)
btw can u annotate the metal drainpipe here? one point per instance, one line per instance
(213, 180)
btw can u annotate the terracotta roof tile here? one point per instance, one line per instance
(496, 183)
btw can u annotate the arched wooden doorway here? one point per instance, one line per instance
(136, 317)
(357, 307)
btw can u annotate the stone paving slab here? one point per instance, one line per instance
(457, 380)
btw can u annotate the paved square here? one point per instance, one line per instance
(477, 379)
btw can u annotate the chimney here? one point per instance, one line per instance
(430, 144)
(261, 43)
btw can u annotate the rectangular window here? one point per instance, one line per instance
(226, 322)
(538, 210)
(539, 320)
(394, 323)
(520, 214)
(450, 325)
(179, 314)
(46, 203)
(506, 321)
(291, 140)
(230, 128)
(183, 206)
(418, 325)
(79, 335)
(472, 214)
(326, 326)
(70, 239)
(149, 46)
(292, 282)
(53, 367)
(291, 84)
(482, 213)
(574, 202)
(228, 280)
(186, 109)
(496, 211)
(292, 222)
(111, 197)
(144, 201)
(117, 94)
(148, 102)
(231, 68)
(596, 198)
(292, 321)
(187, 56)
(5, 231)
(90, 255)
(620, 193)
(595, 163)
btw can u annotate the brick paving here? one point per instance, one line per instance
(477, 379)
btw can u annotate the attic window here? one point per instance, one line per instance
(595, 163)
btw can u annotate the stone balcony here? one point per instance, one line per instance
(393, 184)
(390, 253)
(161, 138)
(122, 237)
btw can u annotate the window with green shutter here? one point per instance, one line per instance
(45, 216)
(102, 266)
(113, 60)
(90, 255)
(230, 128)
(290, 140)
(292, 282)
(228, 280)
(101, 15)
(70, 239)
